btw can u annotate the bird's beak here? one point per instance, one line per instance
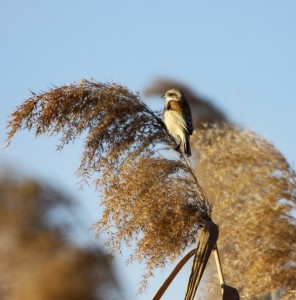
(162, 96)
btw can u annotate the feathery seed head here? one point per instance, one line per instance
(149, 191)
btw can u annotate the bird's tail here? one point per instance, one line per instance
(187, 149)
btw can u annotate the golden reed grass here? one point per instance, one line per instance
(252, 188)
(150, 195)
(37, 260)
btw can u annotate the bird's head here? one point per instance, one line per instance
(173, 94)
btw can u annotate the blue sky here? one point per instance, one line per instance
(239, 54)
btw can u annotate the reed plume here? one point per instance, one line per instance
(252, 187)
(149, 192)
(37, 261)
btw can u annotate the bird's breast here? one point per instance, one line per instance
(170, 119)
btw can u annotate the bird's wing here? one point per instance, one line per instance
(189, 125)
(188, 118)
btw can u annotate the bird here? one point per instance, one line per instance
(178, 119)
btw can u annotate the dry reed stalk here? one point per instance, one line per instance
(206, 244)
(173, 274)
(219, 267)
(228, 292)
